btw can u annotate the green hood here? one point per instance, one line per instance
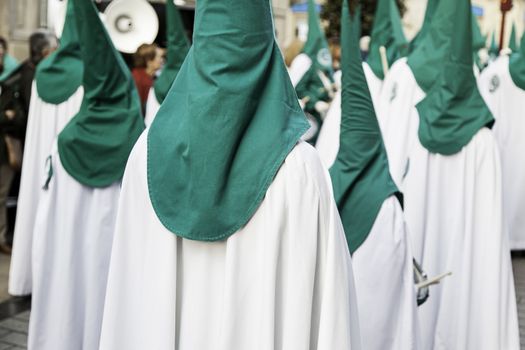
(425, 28)
(316, 46)
(453, 110)
(387, 31)
(360, 175)
(60, 75)
(10, 64)
(513, 42)
(517, 65)
(178, 47)
(226, 126)
(95, 145)
(494, 48)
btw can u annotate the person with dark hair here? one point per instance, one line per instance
(7, 62)
(15, 94)
(147, 61)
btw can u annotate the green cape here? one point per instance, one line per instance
(60, 75)
(226, 126)
(178, 47)
(425, 28)
(453, 111)
(387, 31)
(10, 64)
(95, 145)
(360, 175)
(513, 42)
(517, 65)
(494, 48)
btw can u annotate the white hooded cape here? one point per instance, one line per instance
(382, 265)
(71, 251)
(454, 214)
(152, 107)
(44, 123)
(284, 281)
(507, 103)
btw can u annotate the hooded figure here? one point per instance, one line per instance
(77, 210)
(228, 236)
(178, 46)
(502, 85)
(452, 192)
(513, 41)
(425, 27)
(494, 48)
(311, 73)
(56, 98)
(371, 213)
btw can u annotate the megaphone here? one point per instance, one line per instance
(131, 23)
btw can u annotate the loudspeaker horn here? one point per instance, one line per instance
(131, 23)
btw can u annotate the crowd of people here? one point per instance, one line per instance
(220, 194)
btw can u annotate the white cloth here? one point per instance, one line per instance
(152, 107)
(454, 214)
(284, 281)
(507, 103)
(398, 117)
(44, 123)
(299, 67)
(386, 294)
(328, 140)
(71, 251)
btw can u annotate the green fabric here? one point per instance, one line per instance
(178, 47)
(226, 126)
(517, 65)
(95, 145)
(453, 110)
(513, 46)
(494, 48)
(10, 64)
(360, 175)
(425, 28)
(479, 41)
(387, 31)
(60, 74)
(316, 46)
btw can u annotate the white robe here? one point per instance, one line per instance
(454, 214)
(398, 118)
(152, 107)
(298, 68)
(284, 281)
(71, 251)
(44, 123)
(386, 295)
(507, 103)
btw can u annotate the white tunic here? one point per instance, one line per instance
(44, 123)
(71, 251)
(284, 281)
(507, 103)
(299, 67)
(152, 107)
(454, 214)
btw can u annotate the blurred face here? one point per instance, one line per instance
(156, 63)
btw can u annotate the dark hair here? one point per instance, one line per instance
(38, 43)
(144, 54)
(3, 43)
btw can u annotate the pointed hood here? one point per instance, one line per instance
(425, 28)
(360, 174)
(316, 46)
(226, 126)
(95, 145)
(494, 48)
(178, 47)
(517, 65)
(60, 74)
(513, 42)
(478, 40)
(453, 110)
(387, 31)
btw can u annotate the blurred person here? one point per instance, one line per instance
(7, 62)
(146, 61)
(15, 96)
